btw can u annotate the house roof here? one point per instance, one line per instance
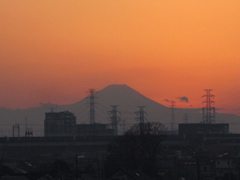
(134, 174)
(13, 178)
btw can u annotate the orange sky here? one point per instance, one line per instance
(54, 51)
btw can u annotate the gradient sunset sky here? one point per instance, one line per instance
(55, 50)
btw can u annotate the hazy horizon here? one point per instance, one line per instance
(54, 51)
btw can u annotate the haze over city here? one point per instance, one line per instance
(54, 51)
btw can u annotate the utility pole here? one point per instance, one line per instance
(114, 119)
(185, 119)
(173, 117)
(76, 170)
(124, 126)
(141, 117)
(16, 126)
(92, 104)
(209, 111)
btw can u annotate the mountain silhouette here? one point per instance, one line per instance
(124, 97)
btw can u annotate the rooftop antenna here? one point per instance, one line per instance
(28, 131)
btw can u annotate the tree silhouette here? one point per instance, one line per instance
(136, 149)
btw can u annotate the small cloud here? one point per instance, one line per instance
(166, 100)
(183, 99)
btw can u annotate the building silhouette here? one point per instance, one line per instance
(59, 124)
(94, 130)
(202, 129)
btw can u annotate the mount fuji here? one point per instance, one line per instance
(124, 97)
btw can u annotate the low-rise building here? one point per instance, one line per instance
(203, 129)
(94, 130)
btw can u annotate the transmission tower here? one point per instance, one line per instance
(141, 117)
(141, 114)
(92, 104)
(208, 112)
(114, 119)
(173, 117)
